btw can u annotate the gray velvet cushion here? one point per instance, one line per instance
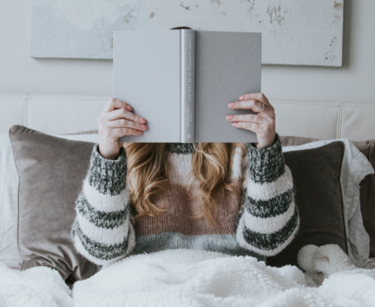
(51, 172)
(367, 191)
(316, 176)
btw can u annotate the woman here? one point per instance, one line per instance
(235, 198)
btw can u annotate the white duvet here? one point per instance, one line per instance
(199, 278)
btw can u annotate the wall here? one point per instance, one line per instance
(354, 82)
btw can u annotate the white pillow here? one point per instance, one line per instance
(354, 168)
(8, 204)
(9, 254)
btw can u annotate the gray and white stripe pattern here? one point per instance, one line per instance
(268, 220)
(103, 230)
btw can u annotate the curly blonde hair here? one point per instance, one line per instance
(148, 175)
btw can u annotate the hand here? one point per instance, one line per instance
(115, 121)
(263, 123)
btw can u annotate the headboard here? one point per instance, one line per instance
(60, 114)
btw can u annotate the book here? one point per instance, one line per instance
(182, 80)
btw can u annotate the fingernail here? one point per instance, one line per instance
(129, 107)
(144, 126)
(242, 97)
(231, 104)
(142, 119)
(234, 124)
(229, 116)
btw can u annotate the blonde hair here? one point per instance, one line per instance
(148, 175)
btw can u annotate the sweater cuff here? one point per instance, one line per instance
(265, 164)
(107, 176)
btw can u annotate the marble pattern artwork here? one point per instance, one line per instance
(294, 32)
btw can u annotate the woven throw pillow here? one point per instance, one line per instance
(316, 177)
(51, 171)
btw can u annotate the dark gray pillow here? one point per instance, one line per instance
(318, 196)
(367, 190)
(51, 172)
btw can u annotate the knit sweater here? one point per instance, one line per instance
(260, 223)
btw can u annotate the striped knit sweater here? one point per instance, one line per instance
(260, 223)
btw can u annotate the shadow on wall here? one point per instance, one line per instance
(346, 36)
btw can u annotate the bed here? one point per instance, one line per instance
(323, 272)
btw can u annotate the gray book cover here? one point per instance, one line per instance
(181, 81)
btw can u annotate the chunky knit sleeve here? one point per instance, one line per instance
(268, 220)
(103, 229)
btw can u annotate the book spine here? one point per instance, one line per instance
(187, 85)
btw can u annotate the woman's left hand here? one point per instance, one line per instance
(263, 123)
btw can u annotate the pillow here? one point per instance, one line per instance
(8, 204)
(317, 194)
(51, 171)
(9, 254)
(357, 170)
(367, 193)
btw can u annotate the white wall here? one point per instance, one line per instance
(354, 82)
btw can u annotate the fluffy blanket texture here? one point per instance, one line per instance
(200, 278)
(36, 287)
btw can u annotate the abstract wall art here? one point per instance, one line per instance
(294, 32)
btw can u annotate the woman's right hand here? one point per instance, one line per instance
(115, 121)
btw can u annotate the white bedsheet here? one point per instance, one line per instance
(199, 278)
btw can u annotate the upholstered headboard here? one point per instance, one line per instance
(59, 114)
